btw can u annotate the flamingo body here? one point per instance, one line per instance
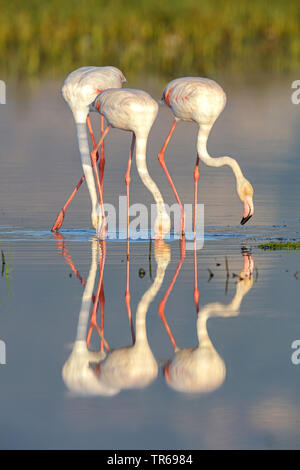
(195, 99)
(128, 109)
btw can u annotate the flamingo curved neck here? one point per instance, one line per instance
(217, 309)
(203, 134)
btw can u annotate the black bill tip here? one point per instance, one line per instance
(245, 219)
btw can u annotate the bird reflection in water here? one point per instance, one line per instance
(79, 373)
(201, 369)
(107, 372)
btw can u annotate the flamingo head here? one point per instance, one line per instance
(245, 192)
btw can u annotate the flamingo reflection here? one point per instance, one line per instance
(89, 372)
(201, 369)
(63, 250)
(107, 371)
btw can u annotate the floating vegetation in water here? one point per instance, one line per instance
(141, 273)
(281, 245)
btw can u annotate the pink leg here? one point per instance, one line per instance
(161, 307)
(94, 164)
(60, 242)
(65, 253)
(161, 160)
(90, 128)
(60, 218)
(128, 179)
(196, 177)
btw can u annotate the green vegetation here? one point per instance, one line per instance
(163, 37)
(286, 245)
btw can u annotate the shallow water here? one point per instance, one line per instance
(239, 388)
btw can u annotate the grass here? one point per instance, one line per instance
(167, 38)
(286, 245)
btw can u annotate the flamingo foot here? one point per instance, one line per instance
(183, 227)
(59, 221)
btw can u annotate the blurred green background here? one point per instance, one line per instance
(43, 38)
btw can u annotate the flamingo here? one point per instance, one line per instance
(135, 111)
(77, 373)
(79, 90)
(202, 100)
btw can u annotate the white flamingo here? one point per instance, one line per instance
(202, 100)
(79, 90)
(135, 111)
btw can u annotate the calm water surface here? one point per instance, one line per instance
(230, 382)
